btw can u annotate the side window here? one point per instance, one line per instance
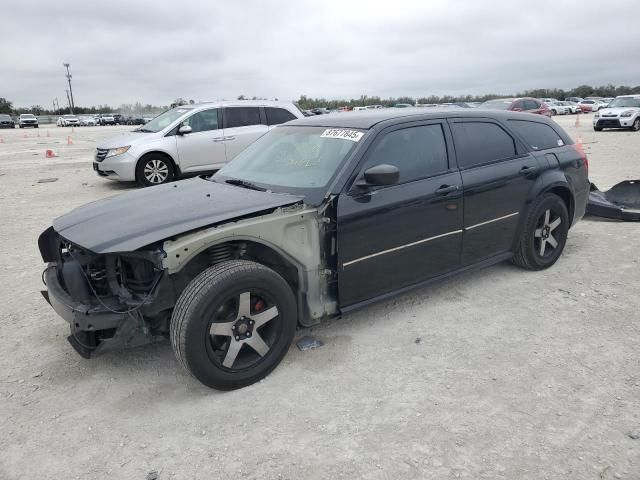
(537, 135)
(203, 121)
(519, 104)
(418, 152)
(531, 105)
(481, 142)
(241, 116)
(276, 116)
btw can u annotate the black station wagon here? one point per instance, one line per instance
(317, 218)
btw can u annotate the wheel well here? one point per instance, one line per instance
(176, 169)
(239, 249)
(567, 197)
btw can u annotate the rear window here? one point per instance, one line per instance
(536, 135)
(276, 116)
(241, 116)
(497, 104)
(478, 143)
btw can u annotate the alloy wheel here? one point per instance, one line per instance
(243, 331)
(156, 171)
(544, 241)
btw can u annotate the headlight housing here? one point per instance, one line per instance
(117, 151)
(627, 113)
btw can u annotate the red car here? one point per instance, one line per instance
(525, 104)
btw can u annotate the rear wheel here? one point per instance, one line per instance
(154, 169)
(544, 235)
(233, 324)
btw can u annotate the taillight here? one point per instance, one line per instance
(578, 148)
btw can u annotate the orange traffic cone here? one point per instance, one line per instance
(50, 154)
(69, 141)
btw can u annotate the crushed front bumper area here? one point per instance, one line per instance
(110, 302)
(621, 202)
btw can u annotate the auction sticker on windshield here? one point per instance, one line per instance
(342, 133)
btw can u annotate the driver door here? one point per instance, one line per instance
(395, 236)
(203, 148)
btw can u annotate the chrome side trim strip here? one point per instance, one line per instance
(394, 249)
(491, 221)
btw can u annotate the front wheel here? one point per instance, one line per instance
(233, 324)
(636, 125)
(154, 169)
(544, 234)
(597, 129)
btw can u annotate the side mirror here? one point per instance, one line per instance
(184, 130)
(382, 174)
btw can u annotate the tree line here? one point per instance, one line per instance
(306, 102)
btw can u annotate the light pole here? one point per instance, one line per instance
(69, 101)
(68, 75)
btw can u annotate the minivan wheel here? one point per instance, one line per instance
(154, 169)
(233, 324)
(544, 234)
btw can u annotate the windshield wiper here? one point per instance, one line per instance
(245, 184)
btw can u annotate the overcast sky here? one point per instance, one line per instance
(155, 51)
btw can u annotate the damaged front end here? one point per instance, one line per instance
(111, 300)
(620, 202)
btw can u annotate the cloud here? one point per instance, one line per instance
(153, 52)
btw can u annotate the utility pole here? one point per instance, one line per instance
(68, 75)
(69, 101)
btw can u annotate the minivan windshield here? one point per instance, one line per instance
(629, 102)
(164, 119)
(292, 159)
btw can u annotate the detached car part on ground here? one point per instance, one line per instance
(317, 218)
(620, 202)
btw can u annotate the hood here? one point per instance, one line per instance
(129, 138)
(133, 220)
(616, 111)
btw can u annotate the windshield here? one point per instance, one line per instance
(5, 117)
(27, 115)
(497, 104)
(293, 159)
(165, 119)
(625, 102)
(69, 116)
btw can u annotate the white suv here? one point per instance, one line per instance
(189, 139)
(622, 112)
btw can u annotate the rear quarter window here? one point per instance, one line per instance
(276, 116)
(478, 143)
(537, 136)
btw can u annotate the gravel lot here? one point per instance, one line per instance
(495, 374)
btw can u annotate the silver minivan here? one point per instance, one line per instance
(189, 139)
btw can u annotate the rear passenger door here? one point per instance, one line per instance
(497, 175)
(276, 116)
(242, 127)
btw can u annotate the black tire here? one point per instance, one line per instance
(538, 228)
(212, 296)
(597, 129)
(154, 169)
(636, 125)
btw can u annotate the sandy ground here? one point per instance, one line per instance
(496, 374)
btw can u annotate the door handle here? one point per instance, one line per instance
(229, 138)
(218, 139)
(446, 189)
(527, 170)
